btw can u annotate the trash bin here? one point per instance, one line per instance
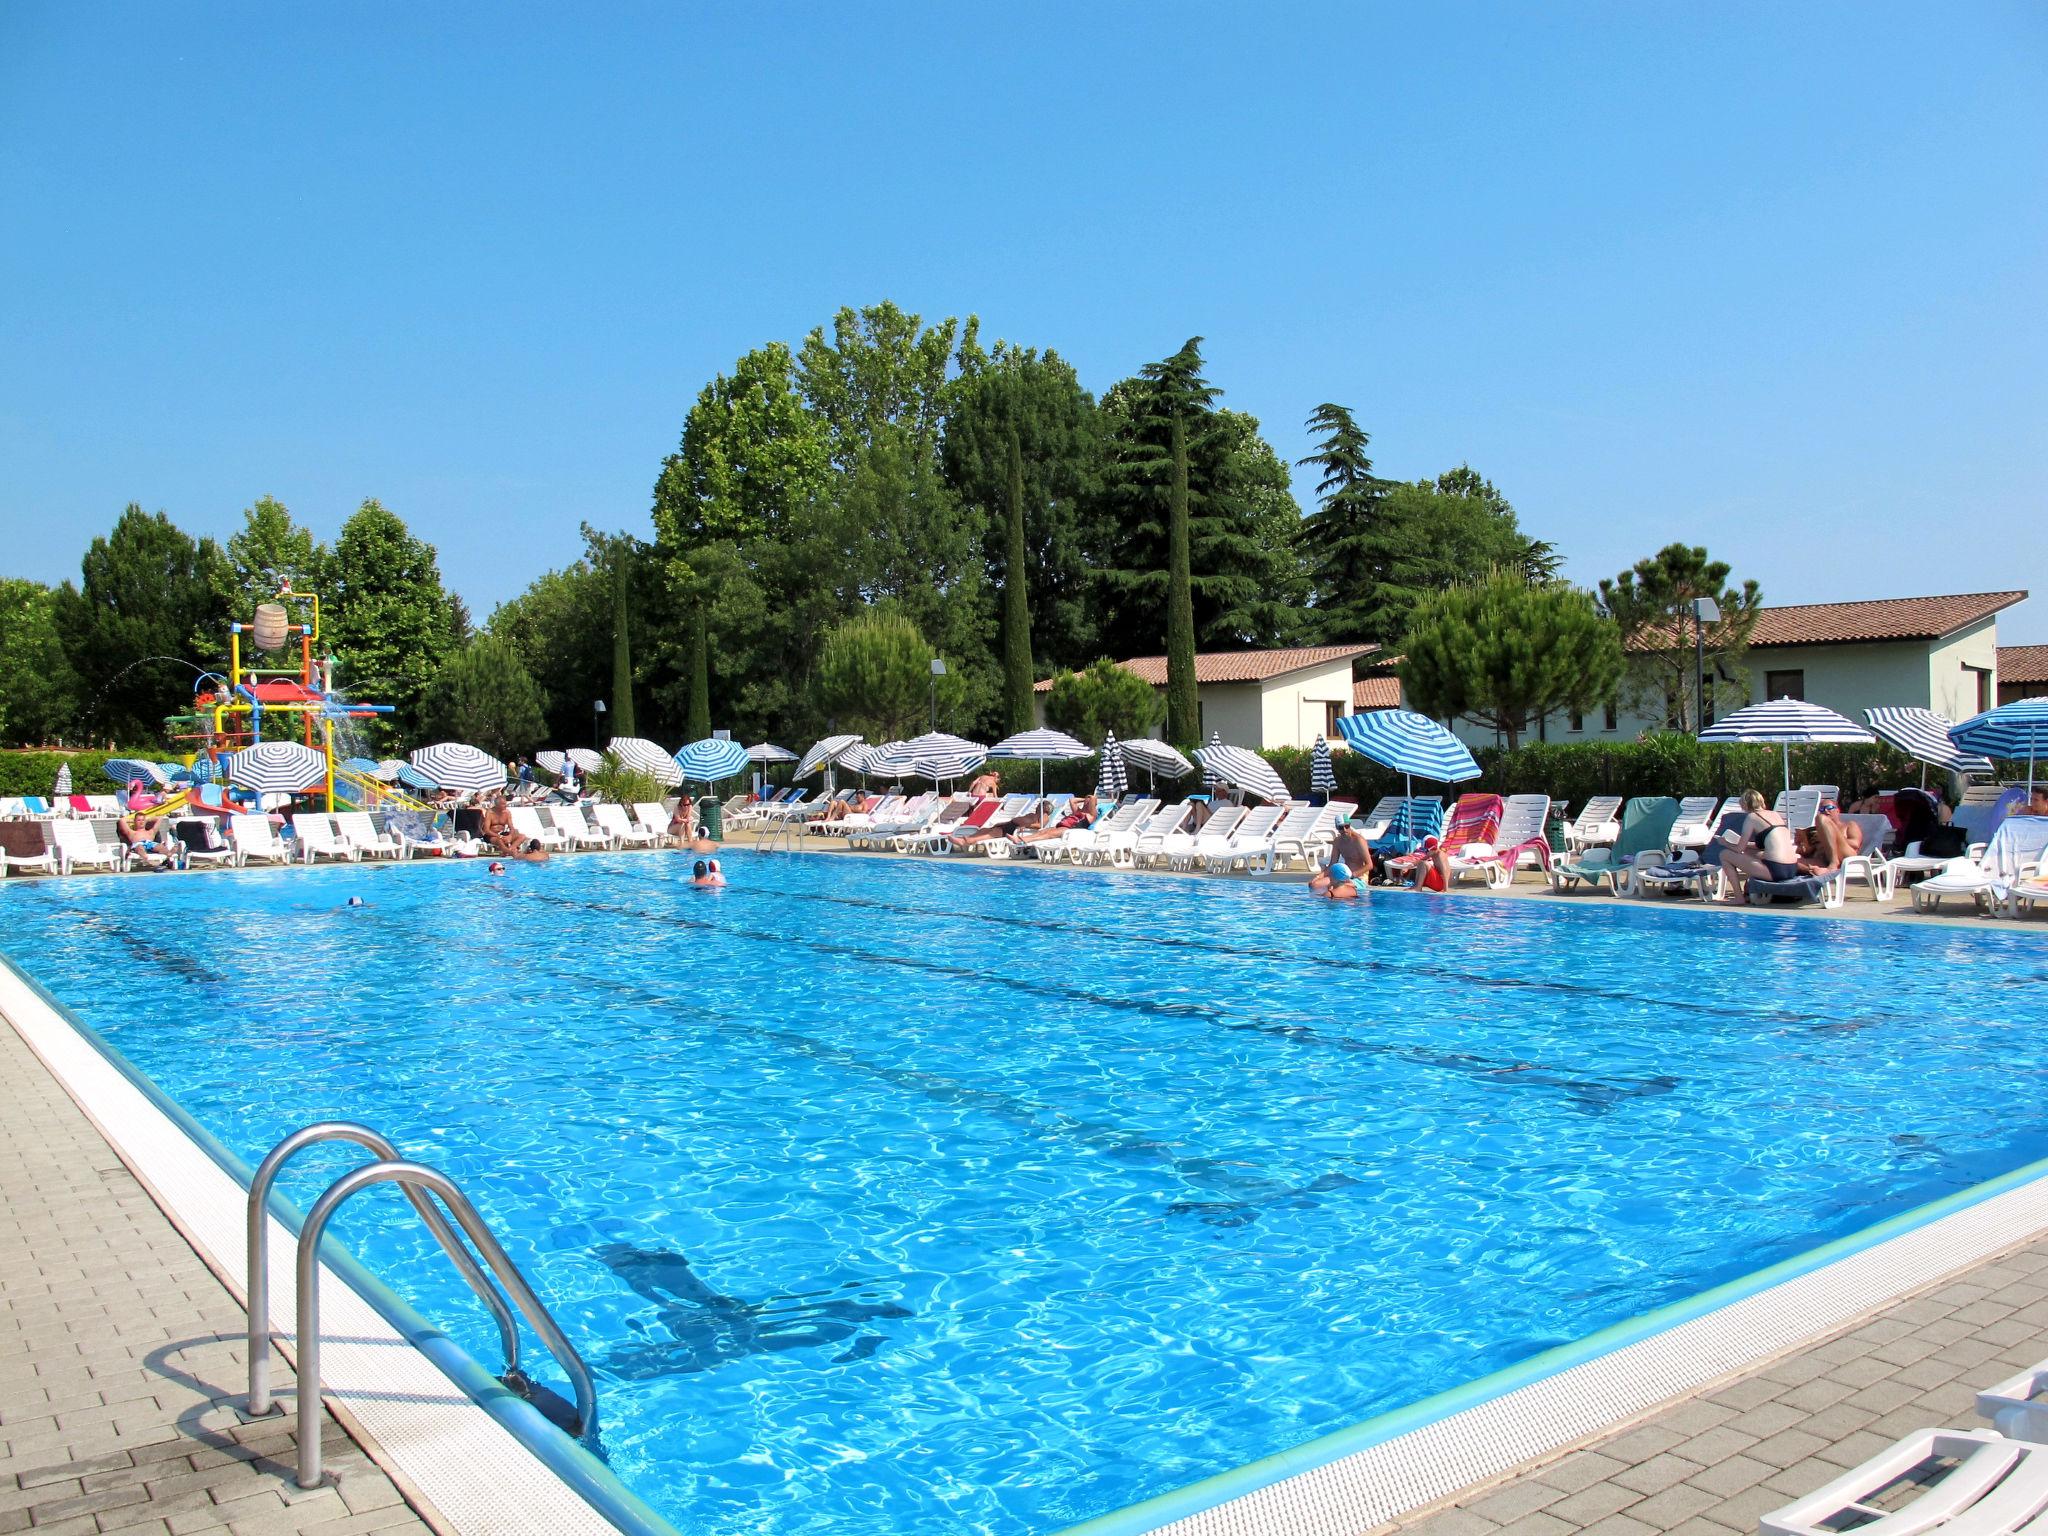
(711, 818)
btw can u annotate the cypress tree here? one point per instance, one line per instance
(622, 646)
(1017, 678)
(1183, 698)
(700, 680)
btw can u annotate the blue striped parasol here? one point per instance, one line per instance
(458, 766)
(710, 760)
(1413, 745)
(2015, 730)
(123, 769)
(1041, 747)
(1210, 777)
(1322, 773)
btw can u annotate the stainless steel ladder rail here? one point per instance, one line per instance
(257, 1249)
(413, 1177)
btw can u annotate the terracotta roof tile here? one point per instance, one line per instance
(1896, 618)
(1376, 693)
(1239, 666)
(2023, 664)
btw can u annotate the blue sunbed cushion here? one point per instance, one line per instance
(1796, 891)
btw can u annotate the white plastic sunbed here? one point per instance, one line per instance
(527, 823)
(1697, 815)
(361, 833)
(1253, 839)
(652, 817)
(1299, 832)
(1522, 822)
(570, 821)
(1801, 807)
(1212, 841)
(45, 861)
(1597, 824)
(1150, 846)
(1870, 863)
(318, 839)
(1116, 840)
(255, 839)
(623, 829)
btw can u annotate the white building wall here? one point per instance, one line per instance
(1295, 708)
(1234, 709)
(1952, 685)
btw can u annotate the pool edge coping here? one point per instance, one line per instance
(347, 1285)
(1538, 1386)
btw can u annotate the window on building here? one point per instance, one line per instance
(1331, 712)
(1785, 685)
(1613, 718)
(1576, 720)
(1982, 675)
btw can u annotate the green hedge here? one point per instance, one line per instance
(33, 773)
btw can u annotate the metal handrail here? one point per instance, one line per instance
(258, 1249)
(412, 1176)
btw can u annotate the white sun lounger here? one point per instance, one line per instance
(77, 846)
(256, 840)
(1116, 841)
(1303, 832)
(652, 817)
(45, 861)
(570, 821)
(1212, 841)
(1253, 839)
(318, 839)
(1801, 807)
(1695, 824)
(1870, 864)
(1994, 1487)
(1597, 824)
(623, 829)
(1161, 828)
(527, 823)
(361, 833)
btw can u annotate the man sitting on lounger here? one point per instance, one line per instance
(1432, 866)
(149, 838)
(503, 836)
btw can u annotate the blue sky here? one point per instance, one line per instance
(1769, 278)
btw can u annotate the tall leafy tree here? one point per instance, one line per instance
(746, 527)
(1245, 584)
(1022, 446)
(484, 695)
(1433, 535)
(1501, 653)
(268, 552)
(38, 689)
(1653, 604)
(1351, 544)
(147, 609)
(392, 625)
(699, 722)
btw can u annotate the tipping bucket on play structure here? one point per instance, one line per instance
(270, 626)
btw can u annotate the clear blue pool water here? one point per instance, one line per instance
(887, 1197)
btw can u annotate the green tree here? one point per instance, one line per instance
(268, 552)
(1035, 399)
(1652, 603)
(1017, 672)
(1438, 534)
(484, 695)
(38, 689)
(147, 610)
(699, 723)
(391, 626)
(874, 677)
(1351, 544)
(1100, 698)
(1245, 577)
(746, 526)
(1501, 653)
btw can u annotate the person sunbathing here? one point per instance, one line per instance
(1848, 834)
(1822, 852)
(989, 783)
(1031, 821)
(150, 839)
(1079, 814)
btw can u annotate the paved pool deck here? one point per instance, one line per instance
(1716, 1462)
(122, 1358)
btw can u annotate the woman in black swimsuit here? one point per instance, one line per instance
(1760, 849)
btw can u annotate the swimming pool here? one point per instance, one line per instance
(889, 1197)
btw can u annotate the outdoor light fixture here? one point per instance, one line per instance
(1705, 611)
(597, 714)
(938, 671)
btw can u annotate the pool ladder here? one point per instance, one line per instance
(785, 834)
(417, 1182)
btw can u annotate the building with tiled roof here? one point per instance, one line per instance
(2022, 672)
(1284, 697)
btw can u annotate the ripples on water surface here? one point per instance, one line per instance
(885, 1197)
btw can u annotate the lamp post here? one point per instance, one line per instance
(597, 716)
(1705, 611)
(938, 671)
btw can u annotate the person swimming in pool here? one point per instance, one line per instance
(706, 875)
(1335, 883)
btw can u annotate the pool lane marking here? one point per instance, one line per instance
(1590, 1095)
